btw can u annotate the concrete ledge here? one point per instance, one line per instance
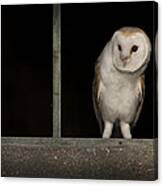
(80, 158)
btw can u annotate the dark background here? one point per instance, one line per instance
(27, 66)
(85, 30)
(26, 70)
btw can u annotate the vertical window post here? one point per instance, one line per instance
(56, 71)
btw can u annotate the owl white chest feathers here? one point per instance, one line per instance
(118, 88)
(119, 96)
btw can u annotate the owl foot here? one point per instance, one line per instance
(107, 130)
(125, 129)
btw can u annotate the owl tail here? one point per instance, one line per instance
(116, 130)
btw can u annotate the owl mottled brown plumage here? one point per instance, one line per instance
(118, 86)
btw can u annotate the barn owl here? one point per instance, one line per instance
(118, 86)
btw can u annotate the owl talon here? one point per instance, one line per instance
(107, 130)
(125, 129)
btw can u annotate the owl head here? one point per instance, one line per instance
(131, 49)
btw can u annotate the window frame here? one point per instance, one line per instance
(87, 147)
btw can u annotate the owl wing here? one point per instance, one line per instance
(97, 88)
(140, 95)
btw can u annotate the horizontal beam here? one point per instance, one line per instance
(82, 158)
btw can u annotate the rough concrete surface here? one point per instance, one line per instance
(98, 159)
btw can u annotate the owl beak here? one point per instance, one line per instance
(124, 60)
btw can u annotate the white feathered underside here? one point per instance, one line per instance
(100, 98)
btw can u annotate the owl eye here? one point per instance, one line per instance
(119, 48)
(134, 48)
